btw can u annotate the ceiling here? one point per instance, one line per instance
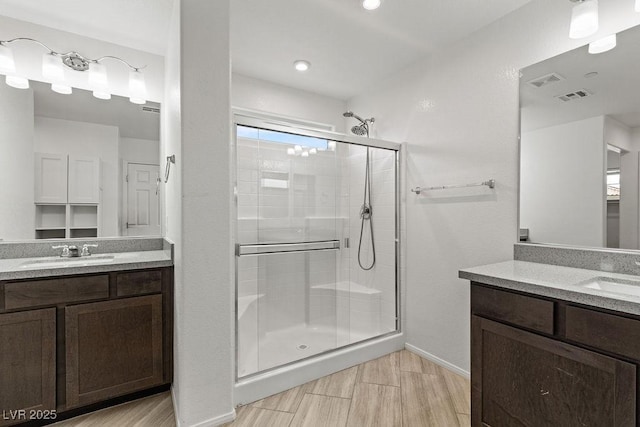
(613, 91)
(139, 24)
(349, 48)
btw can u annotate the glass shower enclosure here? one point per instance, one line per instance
(314, 270)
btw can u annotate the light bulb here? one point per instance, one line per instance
(331, 145)
(305, 154)
(313, 151)
(298, 148)
(371, 4)
(137, 87)
(7, 64)
(61, 88)
(52, 68)
(602, 45)
(291, 151)
(17, 82)
(584, 19)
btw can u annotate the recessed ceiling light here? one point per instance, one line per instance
(302, 65)
(371, 4)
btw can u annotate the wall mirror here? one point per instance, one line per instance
(74, 166)
(579, 147)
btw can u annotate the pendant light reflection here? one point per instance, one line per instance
(137, 87)
(99, 81)
(61, 89)
(7, 64)
(8, 68)
(17, 82)
(52, 68)
(584, 19)
(603, 45)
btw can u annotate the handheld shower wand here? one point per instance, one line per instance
(366, 210)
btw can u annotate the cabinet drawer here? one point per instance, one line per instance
(55, 291)
(139, 283)
(528, 312)
(608, 332)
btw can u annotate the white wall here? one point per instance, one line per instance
(458, 111)
(138, 150)
(91, 140)
(198, 199)
(28, 57)
(171, 195)
(17, 210)
(562, 198)
(259, 95)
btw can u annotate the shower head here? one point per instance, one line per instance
(363, 128)
(360, 130)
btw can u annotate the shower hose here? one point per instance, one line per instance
(365, 215)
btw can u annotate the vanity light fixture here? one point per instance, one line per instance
(371, 4)
(602, 45)
(53, 71)
(584, 19)
(302, 65)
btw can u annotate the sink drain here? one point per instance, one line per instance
(302, 347)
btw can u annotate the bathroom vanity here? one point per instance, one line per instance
(83, 334)
(553, 345)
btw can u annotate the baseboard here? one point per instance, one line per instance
(217, 421)
(211, 422)
(437, 360)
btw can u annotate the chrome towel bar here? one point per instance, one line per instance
(490, 183)
(278, 248)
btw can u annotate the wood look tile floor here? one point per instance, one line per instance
(400, 389)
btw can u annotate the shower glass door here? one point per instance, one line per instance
(288, 247)
(315, 271)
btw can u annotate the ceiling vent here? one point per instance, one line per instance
(545, 80)
(151, 109)
(579, 94)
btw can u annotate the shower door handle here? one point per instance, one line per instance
(281, 248)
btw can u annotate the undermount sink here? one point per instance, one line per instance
(68, 262)
(614, 286)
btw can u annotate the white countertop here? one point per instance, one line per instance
(15, 268)
(555, 282)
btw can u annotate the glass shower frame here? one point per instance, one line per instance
(242, 119)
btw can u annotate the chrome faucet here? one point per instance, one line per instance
(85, 249)
(68, 251)
(65, 250)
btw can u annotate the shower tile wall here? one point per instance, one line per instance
(378, 285)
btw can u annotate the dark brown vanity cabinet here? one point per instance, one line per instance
(530, 365)
(72, 341)
(27, 363)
